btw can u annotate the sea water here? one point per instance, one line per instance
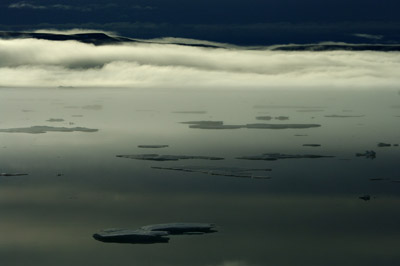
(309, 212)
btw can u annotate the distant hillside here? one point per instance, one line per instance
(93, 38)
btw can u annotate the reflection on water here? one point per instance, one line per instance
(311, 212)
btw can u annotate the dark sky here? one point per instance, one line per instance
(241, 22)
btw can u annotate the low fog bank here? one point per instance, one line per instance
(45, 63)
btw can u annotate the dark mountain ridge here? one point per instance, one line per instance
(99, 38)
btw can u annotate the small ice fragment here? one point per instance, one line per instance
(367, 154)
(282, 118)
(12, 174)
(382, 144)
(312, 145)
(55, 120)
(266, 117)
(152, 146)
(365, 197)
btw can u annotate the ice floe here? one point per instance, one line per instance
(12, 174)
(367, 154)
(45, 129)
(312, 145)
(151, 234)
(152, 146)
(55, 120)
(221, 125)
(158, 157)
(343, 116)
(278, 156)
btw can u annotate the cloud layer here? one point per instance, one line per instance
(38, 63)
(28, 5)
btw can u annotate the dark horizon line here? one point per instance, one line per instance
(102, 38)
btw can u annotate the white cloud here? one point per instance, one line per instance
(21, 5)
(369, 36)
(27, 5)
(31, 62)
(139, 7)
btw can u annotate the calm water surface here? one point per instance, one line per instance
(308, 213)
